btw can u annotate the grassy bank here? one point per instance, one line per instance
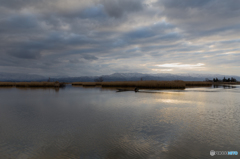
(140, 84)
(31, 84)
(197, 83)
(7, 84)
(78, 83)
(146, 84)
(87, 83)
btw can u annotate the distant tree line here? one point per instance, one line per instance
(223, 80)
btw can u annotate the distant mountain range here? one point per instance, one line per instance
(15, 77)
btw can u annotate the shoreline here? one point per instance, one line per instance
(32, 84)
(146, 84)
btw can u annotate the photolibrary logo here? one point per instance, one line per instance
(213, 153)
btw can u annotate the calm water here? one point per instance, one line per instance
(78, 122)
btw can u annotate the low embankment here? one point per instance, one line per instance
(87, 83)
(140, 84)
(31, 84)
(197, 83)
(147, 84)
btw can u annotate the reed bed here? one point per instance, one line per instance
(140, 84)
(89, 83)
(146, 84)
(77, 83)
(98, 83)
(32, 84)
(7, 84)
(197, 83)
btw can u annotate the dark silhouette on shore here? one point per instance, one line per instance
(224, 80)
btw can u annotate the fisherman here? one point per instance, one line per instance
(136, 89)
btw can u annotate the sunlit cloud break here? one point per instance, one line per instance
(162, 70)
(179, 65)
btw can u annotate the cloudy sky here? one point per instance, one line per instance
(96, 37)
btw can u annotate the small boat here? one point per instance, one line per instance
(136, 89)
(123, 90)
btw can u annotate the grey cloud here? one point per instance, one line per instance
(89, 57)
(26, 50)
(116, 8)
(103, 36)
(202, 15)
(74, 61)
(169, 37)
(18, 4)
(152, 34)
(184, 4)
(141, 33)
(18, 23)
(94, 12)
(25, 53)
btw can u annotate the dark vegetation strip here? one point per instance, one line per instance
(140, 84)
(31, 84)
(146, 84)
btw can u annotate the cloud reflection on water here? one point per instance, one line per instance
(90, 122)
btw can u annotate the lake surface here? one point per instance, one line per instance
(95, 123)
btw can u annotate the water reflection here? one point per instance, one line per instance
(224, 86)
(80, 122)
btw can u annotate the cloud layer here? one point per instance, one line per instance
(75, 38)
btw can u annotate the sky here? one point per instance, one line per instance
(100, 37)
